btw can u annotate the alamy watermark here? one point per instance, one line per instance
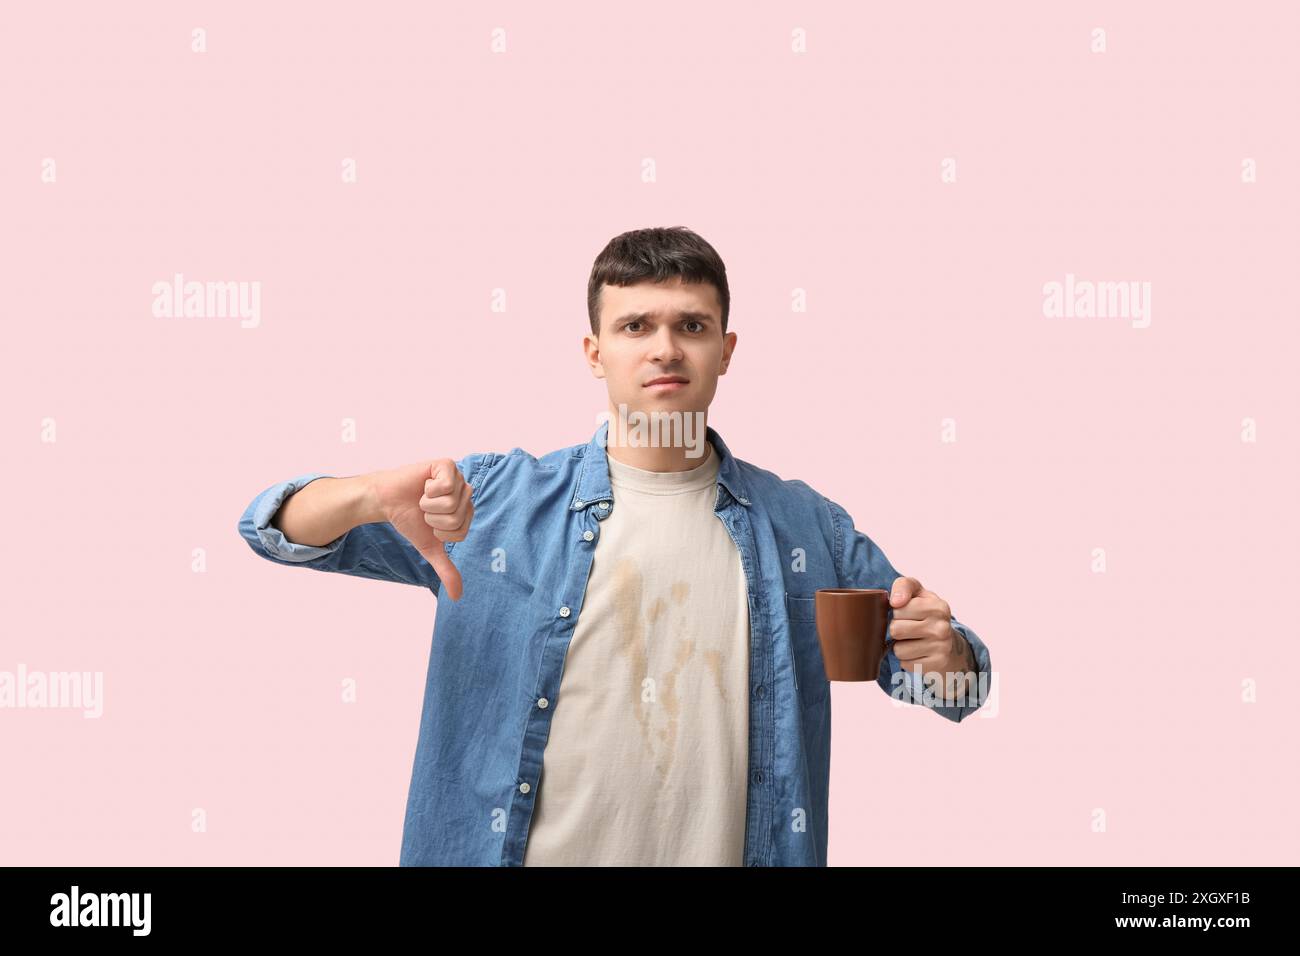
(1085, 299)
(63, 690)
(179, 299)
(945, 689)
(656, 429)
(75, 908)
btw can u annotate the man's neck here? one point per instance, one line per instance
(693, 452)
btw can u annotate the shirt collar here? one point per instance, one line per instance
(593, 478)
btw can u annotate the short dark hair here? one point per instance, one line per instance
(656, 255)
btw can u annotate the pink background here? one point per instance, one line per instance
(1119, 691)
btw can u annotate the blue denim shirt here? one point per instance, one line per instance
(498, 654)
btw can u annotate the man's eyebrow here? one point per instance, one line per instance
(681, 314)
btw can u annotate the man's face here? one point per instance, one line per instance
(656, 330)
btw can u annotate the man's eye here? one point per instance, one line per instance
(696, 322)
(628, 327)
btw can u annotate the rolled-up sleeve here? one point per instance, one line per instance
(913, 693)
(862, 564)
(256, 528)
(375, 550)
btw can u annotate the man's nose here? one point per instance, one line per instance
(665, 347)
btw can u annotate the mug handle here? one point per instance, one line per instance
(889, 620)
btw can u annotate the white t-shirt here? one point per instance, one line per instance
(648, 752)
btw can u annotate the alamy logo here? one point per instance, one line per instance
(55, 689)
(179, 299)
(1084, 299)
(655, 429)
(101, 909)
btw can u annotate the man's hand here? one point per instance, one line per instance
(924, 636)
(429, 503)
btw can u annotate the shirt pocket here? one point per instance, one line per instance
(810, 672)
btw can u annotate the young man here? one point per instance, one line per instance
(628, 671)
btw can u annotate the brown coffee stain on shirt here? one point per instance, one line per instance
(627, 603)
(656, 609)
(629, 587)
(635, 632)
(680, 590)
(684, 649)
(714, 660)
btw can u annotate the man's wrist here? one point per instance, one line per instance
(958, 679)
(364, 497)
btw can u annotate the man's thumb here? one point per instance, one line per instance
(446, 571)
(903, 590)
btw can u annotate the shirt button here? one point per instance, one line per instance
(587, 536)
(577, 504)
(604, 505)
(564, 612)
(524, 788)
(758, 776)
(760, 691)
(543, 703)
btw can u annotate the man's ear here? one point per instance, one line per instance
(728, 346)
(591, 352)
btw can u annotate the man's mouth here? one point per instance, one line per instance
(667, 382)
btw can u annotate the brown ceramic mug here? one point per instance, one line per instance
(853, 628)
